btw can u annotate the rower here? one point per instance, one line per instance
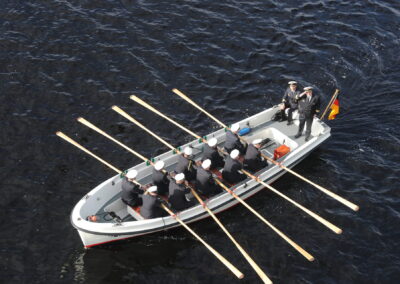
(232, 169)
(186, 165)
(131, 192)
(205, 183)
(211, 152)
(160, 178)
(253, 160)
(151, 207)
(232, 140)
(178, 192)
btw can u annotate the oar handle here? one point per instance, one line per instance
(230, 266)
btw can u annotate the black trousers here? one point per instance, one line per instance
(308, 121)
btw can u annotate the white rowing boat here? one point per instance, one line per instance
(105, 198)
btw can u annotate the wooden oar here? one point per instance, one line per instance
(326, 191)
(219, 181)
(220, 257)
(312, 214)
(258, 270)
(229, 265)
(282, 235)
(131, 119)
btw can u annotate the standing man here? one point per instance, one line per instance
(211, 152)
(253, 160)
(131, 192)
(160, 179)
(289, 101)
(232, 140)
(309, 105)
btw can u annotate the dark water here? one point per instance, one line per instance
(63, 59)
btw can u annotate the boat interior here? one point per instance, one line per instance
(105, 198)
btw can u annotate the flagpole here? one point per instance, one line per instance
(334, 96)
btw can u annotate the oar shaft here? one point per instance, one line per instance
(73, 142)
(309, 212)
(146, 105)
(254, 265)
(95, 128)
(282, 235)
(186, 98)
(213, 251)
(130, 118)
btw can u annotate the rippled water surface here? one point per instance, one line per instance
(62, 59)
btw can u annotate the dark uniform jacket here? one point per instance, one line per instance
(161, 180)
(307, 108)
(253, 160)
(211, 153)
(186, 166)
(131, 193)
(151, 207)
(205, 183)
(177, 196)
(290, 98)
(231, 168)
(233, 142)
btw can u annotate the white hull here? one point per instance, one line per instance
(96, 233)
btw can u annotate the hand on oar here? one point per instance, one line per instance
(326, 191)
(213, 251)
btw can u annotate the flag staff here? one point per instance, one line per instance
(334, 96)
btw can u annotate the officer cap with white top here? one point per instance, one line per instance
(206, 164)
(234, 154)
(212, 142)
(292, 83)
(308, 88)
(188, 151)
(152, 188)
(180, 177)
(159, 165)
(257, 141)
(235, 127)
(132, 174)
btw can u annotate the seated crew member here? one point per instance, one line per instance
(232, 140)
(186, 165)
(178, 192)
(205, 183)
(151, 207)
(289, 101)
(309, 105)
(232, 168)
(131, 192)
(160, 179)
(211, 152)
(253, 160)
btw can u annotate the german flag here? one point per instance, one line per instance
(334, 109)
